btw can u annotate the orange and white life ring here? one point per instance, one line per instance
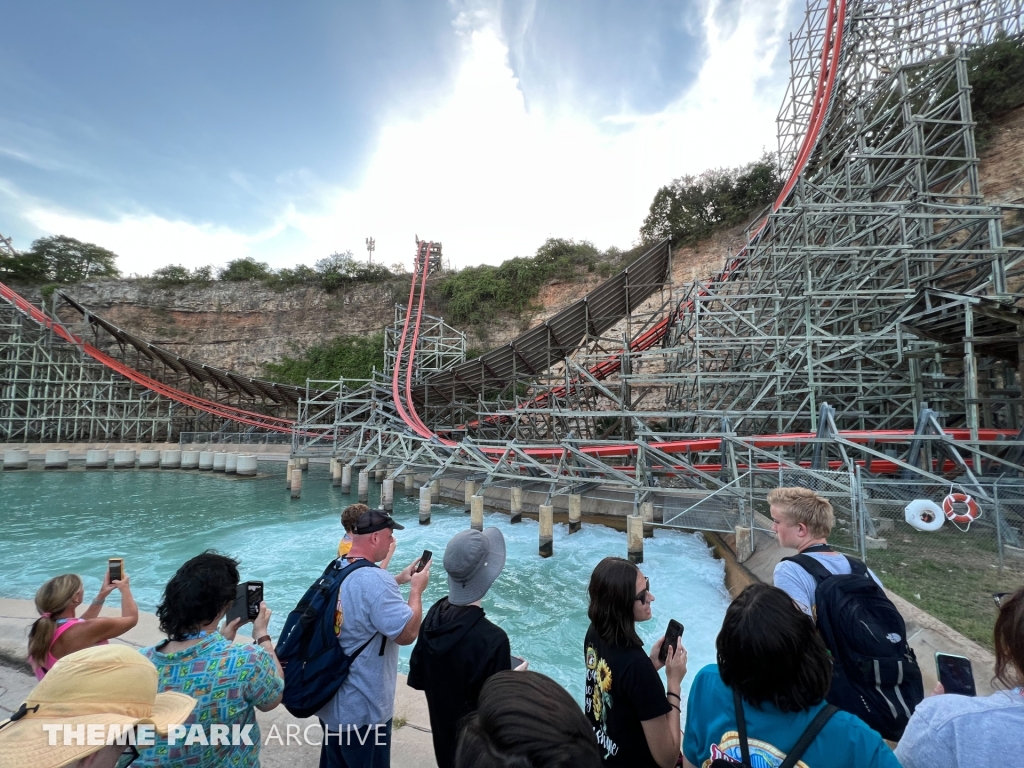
(968, 512)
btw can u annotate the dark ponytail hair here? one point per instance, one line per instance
(1009, 640)
(612, 594)
(526, 720)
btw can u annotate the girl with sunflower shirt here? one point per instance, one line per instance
(635, 721)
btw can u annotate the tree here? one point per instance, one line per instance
(59, 259)
(244, 270)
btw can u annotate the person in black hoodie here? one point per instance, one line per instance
(458, 648)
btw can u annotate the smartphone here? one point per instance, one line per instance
(248, 596)
(672, 634)
(516, 661)
(955, 674)
(424, 559)
(115, 566)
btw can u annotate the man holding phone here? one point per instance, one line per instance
(458, 648)
(371, 615)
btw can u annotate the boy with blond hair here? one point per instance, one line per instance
(803, 520)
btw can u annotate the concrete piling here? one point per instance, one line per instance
(647, 513)
(231, 463)
(547, 527)
(515, 505)
(296, 482)
(425, 504)
(124, 459)
(378, 475)
(246, 465)
(170, 459)
(304, 464)
(364, 486)
(220, 461)
(476, 513)
(149, 459)
(410, 484)
(635, 539)
(387, 493)
(190, 459)
(205, 461)
(16, 458)
(346, 478)
(470, 487)
(435, 491)
(288, 473)
(574, 512)
(336, 469)
(56, 458)
(98, 458)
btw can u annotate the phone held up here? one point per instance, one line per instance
(248, 596)
(115, 566)
(955, 674)
(424, 559)
(517, 662)
(672, 634)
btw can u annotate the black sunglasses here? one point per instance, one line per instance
(129, 756)
(642, 596)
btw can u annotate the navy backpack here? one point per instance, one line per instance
(313, 661)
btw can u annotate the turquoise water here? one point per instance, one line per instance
(59, 522)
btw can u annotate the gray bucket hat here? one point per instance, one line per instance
(473, 560)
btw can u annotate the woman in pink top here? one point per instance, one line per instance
(58, 632)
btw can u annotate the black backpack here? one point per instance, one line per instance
(806, 738)
(875, 674)
(313, 661)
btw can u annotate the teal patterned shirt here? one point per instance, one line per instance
(228, 681)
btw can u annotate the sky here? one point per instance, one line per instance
(195, 133)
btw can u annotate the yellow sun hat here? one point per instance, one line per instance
(106, 685)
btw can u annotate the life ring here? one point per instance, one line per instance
(960, 518)
(924, 515)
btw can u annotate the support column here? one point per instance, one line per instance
(388, 493)
(346, 478)
(476, 513)
(296, 482)
(574, 512)
(231, 464)
(647, 513)
(304, 464)
(425, 504)
(635, 539)
(435, 491)
(336, 475)
(410, 484)
(364, 486)
(288, 473)
(378, 474)
(516, 504)
(547, 526)
(470, 493)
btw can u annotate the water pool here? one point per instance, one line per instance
(59, 522)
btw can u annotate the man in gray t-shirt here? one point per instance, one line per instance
(802, 520)
(357, 720)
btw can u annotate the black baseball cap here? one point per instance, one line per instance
(375, 520)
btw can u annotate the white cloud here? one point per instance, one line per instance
(488, 179)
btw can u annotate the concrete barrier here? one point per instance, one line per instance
(231, 463)
(16, 458)
(97, 458)
(170, 459)
(56, 458)
(205, 461)
(124, 459)
(220, 461)
(190, 459)
(247, 465)
(149, 459)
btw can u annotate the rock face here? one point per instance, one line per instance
(243, 326)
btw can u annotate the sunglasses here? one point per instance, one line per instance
(999, 597)
(129, 756)
(642, 596)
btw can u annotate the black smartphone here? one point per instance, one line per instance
(672, 635)
(516, 661)
(955, 674)
(248, 596)
(116, 567)
(424, 559)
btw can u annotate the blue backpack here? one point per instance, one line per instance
(313, 661)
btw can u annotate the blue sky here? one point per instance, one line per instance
(195, 133)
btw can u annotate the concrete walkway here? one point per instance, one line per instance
(411, 746)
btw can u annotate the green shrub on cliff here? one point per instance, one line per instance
(350, 357)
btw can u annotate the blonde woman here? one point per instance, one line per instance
(58, 631)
